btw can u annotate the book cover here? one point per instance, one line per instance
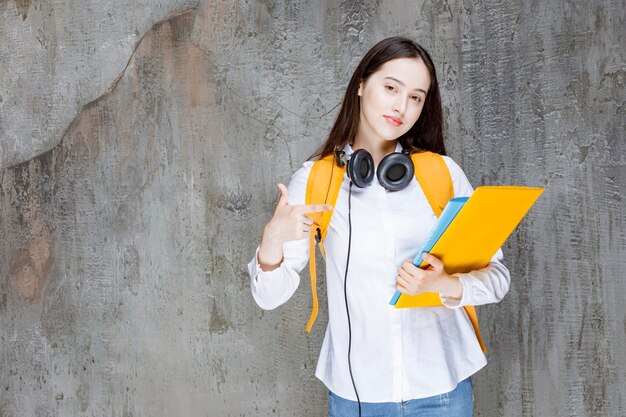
(471, 233)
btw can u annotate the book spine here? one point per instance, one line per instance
(447, 215)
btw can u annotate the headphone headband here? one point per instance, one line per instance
(342, 159)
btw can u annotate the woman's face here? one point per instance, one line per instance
(392, 99)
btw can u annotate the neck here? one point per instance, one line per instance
(378, 150)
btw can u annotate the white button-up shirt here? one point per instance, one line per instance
(396, 354)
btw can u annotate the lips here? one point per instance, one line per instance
(393, 120)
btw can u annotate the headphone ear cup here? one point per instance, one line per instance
(395, 171)
(360, 168)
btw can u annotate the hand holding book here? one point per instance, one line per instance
(412, 280)
(469, 232)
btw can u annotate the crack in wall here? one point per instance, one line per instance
(113, 84)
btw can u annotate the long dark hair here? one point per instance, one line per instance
(425, 134)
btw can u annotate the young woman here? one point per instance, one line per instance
(377, 360)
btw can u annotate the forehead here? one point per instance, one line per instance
(410, 71)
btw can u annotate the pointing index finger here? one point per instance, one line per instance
(315, 208)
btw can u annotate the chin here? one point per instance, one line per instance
(391, 136)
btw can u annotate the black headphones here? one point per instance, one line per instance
(394, 173)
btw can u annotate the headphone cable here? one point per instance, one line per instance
(345, 281)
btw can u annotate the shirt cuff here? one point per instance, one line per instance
(454, 303)
(257, 274)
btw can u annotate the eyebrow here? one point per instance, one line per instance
(402, 84)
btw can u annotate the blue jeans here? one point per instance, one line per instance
(457, 403)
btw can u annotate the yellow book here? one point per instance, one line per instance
(469, 232)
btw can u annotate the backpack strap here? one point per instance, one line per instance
(433, 175)
(322, 187)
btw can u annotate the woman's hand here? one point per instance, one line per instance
(289, 222)
(412, 280)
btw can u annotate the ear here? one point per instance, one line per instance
(360, 92)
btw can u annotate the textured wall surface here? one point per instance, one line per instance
(141, 146)
(58, 56)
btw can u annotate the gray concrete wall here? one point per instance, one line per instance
(141, 144)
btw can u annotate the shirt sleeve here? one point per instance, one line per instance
(271, 289)
(482, 286)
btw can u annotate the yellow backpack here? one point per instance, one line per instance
(323, 187)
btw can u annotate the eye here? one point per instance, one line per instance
(390, 87)
(417, 98)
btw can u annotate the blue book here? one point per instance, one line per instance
(447, 215)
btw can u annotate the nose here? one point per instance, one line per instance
(400, 105)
